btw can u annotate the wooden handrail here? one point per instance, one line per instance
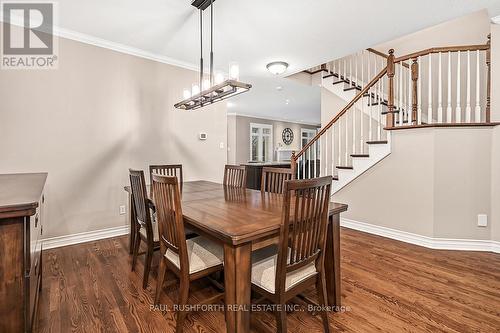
(382, 54)
(443, 50)
(341, 113)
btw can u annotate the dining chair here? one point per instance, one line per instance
(189, 259)
(279, 273)
(273, 179)
(167, 170)
(146, 226)
(235, 176)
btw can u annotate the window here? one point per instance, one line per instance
(261, 142)
(306, 135)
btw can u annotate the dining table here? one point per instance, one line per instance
(243, 220)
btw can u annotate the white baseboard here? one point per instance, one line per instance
(83, 237)
(429, 242)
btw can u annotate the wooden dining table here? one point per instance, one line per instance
(244, 220)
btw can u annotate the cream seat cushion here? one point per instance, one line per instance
(156, 236)
(264, 263)
(202, 254)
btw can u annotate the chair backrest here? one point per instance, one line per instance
(141, 201)
(235, 175)
(273, 179)
(167, 170)
(303, 225)
(170, 220)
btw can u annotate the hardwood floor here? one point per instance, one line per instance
(388, 286)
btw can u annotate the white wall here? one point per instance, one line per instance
(99, 114)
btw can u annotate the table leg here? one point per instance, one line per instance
(237, 283)
(133, 228)
(332, 262)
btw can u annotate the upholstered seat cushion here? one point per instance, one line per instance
(264, 263)
(156, 236)
(202, 254)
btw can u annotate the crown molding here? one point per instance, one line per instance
(274, 119)
(107, 44)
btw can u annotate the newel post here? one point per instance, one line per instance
(294, 166)
(390, 74)
(414, 79)
(488, 82)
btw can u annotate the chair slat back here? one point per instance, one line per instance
(273, 179)
(303, 228)
(167, 170)
(235, 175)
(140, 196)
(169, 214)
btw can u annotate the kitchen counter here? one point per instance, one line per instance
(254, 172)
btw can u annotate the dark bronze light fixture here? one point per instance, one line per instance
(215, 89)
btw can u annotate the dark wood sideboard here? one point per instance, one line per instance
(254, 172)
(21, 227)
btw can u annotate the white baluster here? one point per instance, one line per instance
(370, 118)
(363, 102)
(458, 109)
(429, 92)
(379, 129)
(356, 70)
(315, 157)
(324, 152)
(346, 139)
(448, 108)
(339, 141)
(440, 92)
(419, 93)
(468, 110)
(345, 70)
(333, 149)
(304, 165)
(354, 128)
(400, 94)
(309, 162)
(350, 70)
(477, 110)
(409, 113)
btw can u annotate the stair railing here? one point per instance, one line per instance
(343, 133)
(399, 87)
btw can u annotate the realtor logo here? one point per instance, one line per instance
(28, 36)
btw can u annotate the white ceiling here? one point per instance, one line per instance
(256, 32)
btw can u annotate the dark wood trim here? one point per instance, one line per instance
(382, 54)
(456, 125)
(463, 48)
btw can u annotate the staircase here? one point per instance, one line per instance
(436, 87)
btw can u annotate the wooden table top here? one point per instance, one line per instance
(234, 215)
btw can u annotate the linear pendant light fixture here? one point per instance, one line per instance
(214, 89)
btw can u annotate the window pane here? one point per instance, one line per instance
(265, 149)
(255, 142)
(266, 131)
(255, 130)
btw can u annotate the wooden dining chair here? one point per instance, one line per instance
(235, 176)
(146, 227)
(189, 259)
(273, 179)
(282, 272)
(167, 170)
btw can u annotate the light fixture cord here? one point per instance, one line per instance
(201, 49)
(211, 42)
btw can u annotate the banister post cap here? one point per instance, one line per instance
(391, 51)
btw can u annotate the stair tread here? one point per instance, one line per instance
(337, 82)
(352, 88)
(344, 167)
(380, 142)
(335, 177)
(360, 155)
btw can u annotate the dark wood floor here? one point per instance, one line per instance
(388, 286)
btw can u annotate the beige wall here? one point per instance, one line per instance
(495, 146)
(434, 183)
(239, 131)
(99, 114)
(469, 29)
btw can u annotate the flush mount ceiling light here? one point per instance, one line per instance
(212, 89)
(277, 67)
